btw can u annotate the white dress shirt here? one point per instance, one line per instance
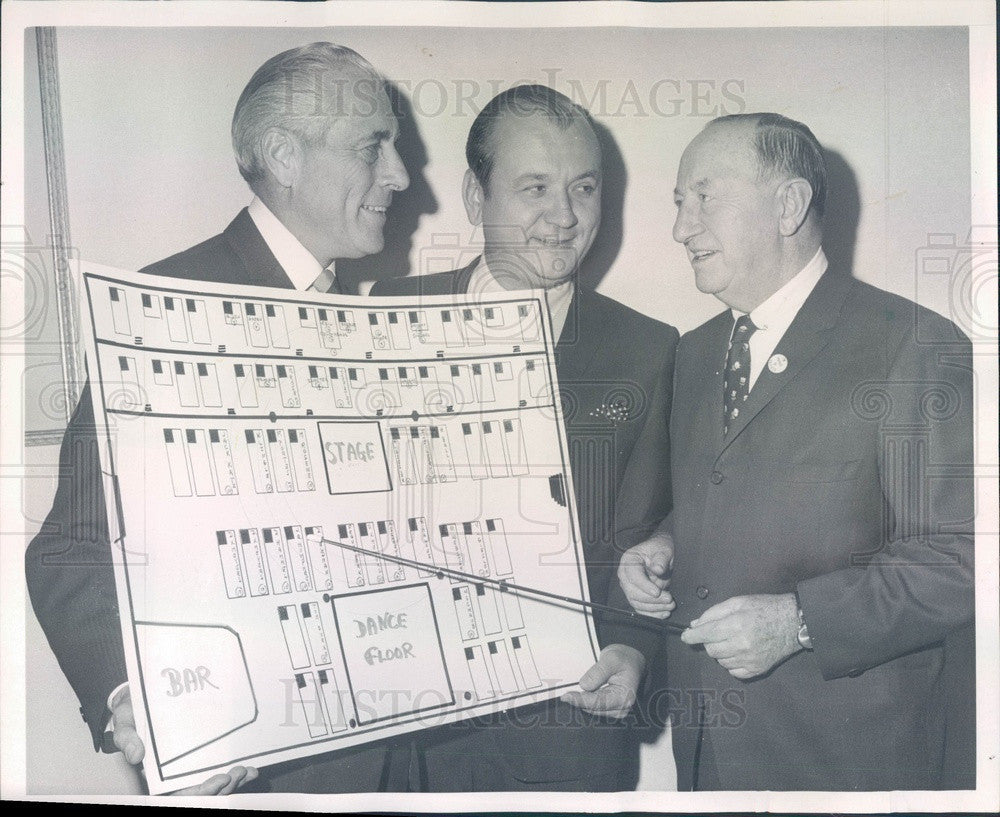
(773, 317)
(299, 264)
(558, 297)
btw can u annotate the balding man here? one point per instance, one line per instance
(313, 133)
(534, 185)
(821, 538)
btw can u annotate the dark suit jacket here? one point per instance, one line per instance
(607, 353)
(69, 570)
(847, 478)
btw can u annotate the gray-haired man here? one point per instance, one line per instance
(313, 133)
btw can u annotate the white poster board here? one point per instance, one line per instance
(245, 431)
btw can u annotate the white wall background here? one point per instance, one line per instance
(146, 118)
(150, 169)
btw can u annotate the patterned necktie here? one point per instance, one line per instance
(326, 281)
(737, 380)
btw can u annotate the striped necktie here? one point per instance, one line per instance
(737, 379)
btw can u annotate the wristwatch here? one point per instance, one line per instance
(803, 635)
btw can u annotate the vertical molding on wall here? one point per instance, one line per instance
(55, 175)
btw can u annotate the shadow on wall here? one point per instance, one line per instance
(843, 213)
(407, 207)
(608, 243)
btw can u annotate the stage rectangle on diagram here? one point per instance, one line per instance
(354, 457)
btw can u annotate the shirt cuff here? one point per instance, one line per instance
(110, 727)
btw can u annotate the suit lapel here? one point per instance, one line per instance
(702, 404)
(577, 346)
(262, 268)
(807, 336)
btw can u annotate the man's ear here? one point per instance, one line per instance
(282, 154)
(472, 196)
(794, 197)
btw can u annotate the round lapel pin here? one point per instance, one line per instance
(777, 363)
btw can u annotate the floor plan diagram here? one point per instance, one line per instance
(264, 448)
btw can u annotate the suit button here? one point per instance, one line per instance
(701, 592)
(717, 477)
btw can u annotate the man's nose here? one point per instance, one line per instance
(561, 213)
(394, 173)
(686, 223)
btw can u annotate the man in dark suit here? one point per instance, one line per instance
(534, 184)
(821, 539)
(313, 134)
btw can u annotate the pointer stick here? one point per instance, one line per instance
(505, 586)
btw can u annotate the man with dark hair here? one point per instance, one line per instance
(313, 134)
(534, 184)
(821, 537)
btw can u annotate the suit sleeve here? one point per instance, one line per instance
(644, 500)
(918, 587)
(71, 579)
